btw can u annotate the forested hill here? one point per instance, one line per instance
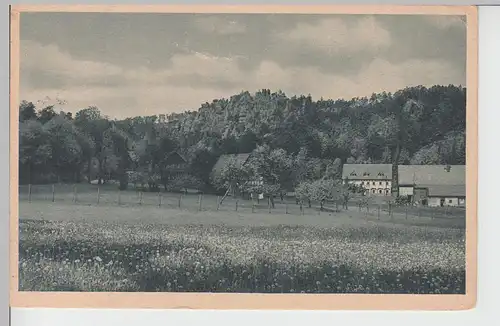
(415, 125)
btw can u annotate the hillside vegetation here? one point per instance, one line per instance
(416, 125)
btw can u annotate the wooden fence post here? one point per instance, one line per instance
(29, 193)
(53, 193)
(119, 197)
(236, 207)
(98, 195)
(74, 194)
(378, 211)
(180, 200)
(301, 208)
(159, 198)
(286, 208)
(406, 212)
(140, 197)
(269, 204)
(218, 202)
(200, 200)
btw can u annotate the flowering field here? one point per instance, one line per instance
(366, 258)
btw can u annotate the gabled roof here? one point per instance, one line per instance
(408, 174)
(431, 175)
(223, 159)
(367, 171)
(173, 154)
(445, 190)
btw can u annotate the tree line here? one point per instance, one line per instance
(293, 139)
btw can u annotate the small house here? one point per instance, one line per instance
(175, 164)
(433, 185)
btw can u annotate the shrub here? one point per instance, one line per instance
(184, 182)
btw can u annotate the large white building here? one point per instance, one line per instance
(429, 185)
(375, 178)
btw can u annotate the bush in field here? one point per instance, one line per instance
(364, 202)
(402, 201)
(232, 176)
(268, 191)
(184, 182)
(356, 189)
(325, 190)
(137, 178)
(304, 192)
(154, 181)
(274, 167)
(124, 180)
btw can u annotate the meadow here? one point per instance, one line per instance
(107, 196)
(68, 246)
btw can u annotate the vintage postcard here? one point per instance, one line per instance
(244, 157)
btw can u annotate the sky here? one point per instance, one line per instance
(133, 64)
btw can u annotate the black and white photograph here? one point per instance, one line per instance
(279, 153)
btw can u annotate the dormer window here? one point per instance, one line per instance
(366, 174)
(353, 173)
(380, 174)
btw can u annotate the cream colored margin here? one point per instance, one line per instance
(254, 301)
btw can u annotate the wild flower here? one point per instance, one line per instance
(368, 259)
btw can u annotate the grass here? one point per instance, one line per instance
(75, 247)
(156, 206)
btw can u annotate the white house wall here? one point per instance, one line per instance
(406, 191)
(374, 187)
(451, 201)
(434, 202)
(448, 201)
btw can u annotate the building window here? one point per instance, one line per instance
(353, 173)
(449, 201)
(380, 182)
(366, 174)
(373, 190)
(387, 183)
(373, 183)
(362, 182)
(380, 191)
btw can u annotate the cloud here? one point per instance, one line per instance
(187, 80)
(377, 76)
(51, 61)
(50, 58)
(334, 35)
(218, 25)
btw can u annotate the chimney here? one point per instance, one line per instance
(395, 180)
